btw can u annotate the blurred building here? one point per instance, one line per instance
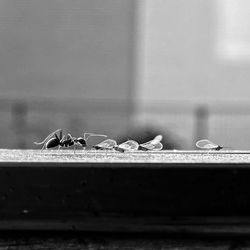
(66, 64)
(110, 66)
(194, 69)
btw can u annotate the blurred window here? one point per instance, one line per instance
(233, 29)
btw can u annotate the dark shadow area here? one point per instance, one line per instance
(87, 240)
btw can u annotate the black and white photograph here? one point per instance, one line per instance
(125, 124)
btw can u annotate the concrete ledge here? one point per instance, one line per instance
(110, 191)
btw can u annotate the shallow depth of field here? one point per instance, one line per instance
(127, 69)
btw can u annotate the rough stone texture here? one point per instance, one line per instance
(35, 185)
(103, 156)
(21, 241)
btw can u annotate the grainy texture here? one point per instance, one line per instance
(172, 191)
(29, 241)
(104, 156)
(188, 194)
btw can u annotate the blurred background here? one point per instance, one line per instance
(125, 68)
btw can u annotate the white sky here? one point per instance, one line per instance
(233, 29)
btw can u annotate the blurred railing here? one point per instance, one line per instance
(25, 121)
(226, 123)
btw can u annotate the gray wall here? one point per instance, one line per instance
(180, 57)
(181, 66)
(66, 49)
(69, 63)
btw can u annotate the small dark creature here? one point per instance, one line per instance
(53, 140)
(206, 144)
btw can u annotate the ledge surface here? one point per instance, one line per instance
(172, 191)
(102, 156)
